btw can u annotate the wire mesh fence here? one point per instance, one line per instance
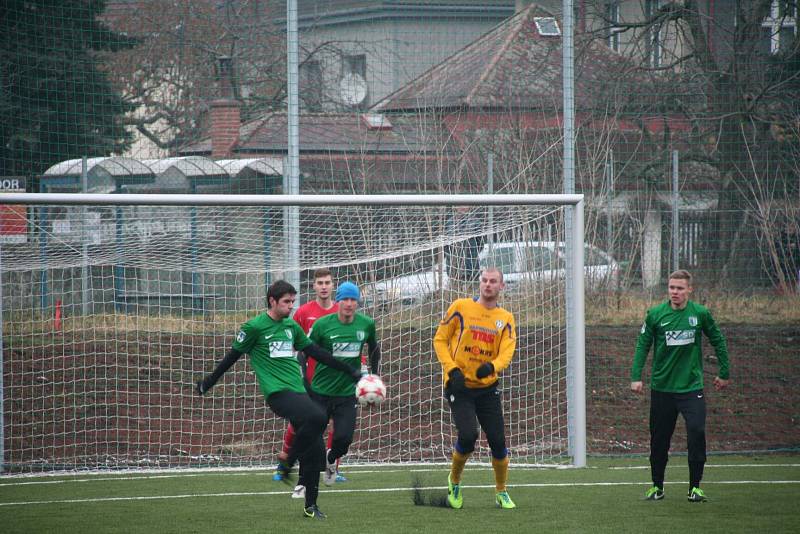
(687, 139)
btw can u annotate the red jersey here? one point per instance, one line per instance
(305, 317)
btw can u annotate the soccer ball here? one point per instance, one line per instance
(370, 390)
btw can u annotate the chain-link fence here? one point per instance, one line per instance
(687, 144)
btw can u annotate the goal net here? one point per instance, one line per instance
(112, 312)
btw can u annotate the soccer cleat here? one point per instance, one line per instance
(502, 500)
(654, 494)
(329, 476)
(283, 473)
(454, 497)
(697, 495)
(340, 477)
(299, 492)
(314, 511)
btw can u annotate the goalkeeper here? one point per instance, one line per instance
(475, 341)
(344, 335)
(271, 339)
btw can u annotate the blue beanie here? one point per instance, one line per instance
(347, 290)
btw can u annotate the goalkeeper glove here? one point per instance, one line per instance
(355, 375)
(485, 370)
(202, 387)
(456, 382)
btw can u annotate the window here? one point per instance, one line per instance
(311, 84)
(779, 29)
(355, 64)
(612, 19)
(503, 258)
(654, 37)
(538, 259)
(376, 121)
(547, 26)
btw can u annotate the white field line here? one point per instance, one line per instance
(370, 490)
(103, 477)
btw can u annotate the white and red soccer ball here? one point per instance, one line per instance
(370, 390)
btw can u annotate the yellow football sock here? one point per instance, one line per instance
(457, 467)
(500, 473)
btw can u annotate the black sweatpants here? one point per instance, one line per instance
(482, 406)
(342, 410)
(309, 422)
(664, 410)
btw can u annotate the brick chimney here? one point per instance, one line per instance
(225, 113)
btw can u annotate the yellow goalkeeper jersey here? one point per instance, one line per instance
(470, 335)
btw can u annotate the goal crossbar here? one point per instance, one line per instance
(149, 199)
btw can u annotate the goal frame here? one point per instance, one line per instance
(574, 232)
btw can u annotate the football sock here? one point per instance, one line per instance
(500, 473)
(457, 467)
(695, 474)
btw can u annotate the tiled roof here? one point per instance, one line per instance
(512, 66)
(334, 132)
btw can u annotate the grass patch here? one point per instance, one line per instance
(747, 494)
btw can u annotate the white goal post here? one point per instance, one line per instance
(116, 303)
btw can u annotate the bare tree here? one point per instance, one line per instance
(737, 94)
(171, 76)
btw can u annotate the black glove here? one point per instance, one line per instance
(356, 375)
(202, 387)
(456, 381)
(485, 370)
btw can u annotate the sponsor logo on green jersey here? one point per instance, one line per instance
(679, 337)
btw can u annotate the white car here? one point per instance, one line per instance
(520, 261)
(544, 261)
(408, 289)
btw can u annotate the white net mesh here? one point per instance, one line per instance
(111, 313)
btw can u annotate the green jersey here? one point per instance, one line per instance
(271, 346)
(677, 357)
(345, 342)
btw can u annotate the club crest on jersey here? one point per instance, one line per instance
(360, 335)
(288, 333)
(499, 324)
(692, 320)
(241, 336)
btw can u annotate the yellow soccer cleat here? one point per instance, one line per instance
(502, 500)
(454, 497)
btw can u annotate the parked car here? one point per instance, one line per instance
(408, 289)
(545, 261)
(521, 262)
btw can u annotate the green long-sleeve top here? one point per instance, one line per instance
(677, 357)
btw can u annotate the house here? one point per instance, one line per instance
(500, 94)
(355, 52)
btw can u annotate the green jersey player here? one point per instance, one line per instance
(271, 339)
(344, 334)
(675, 328)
